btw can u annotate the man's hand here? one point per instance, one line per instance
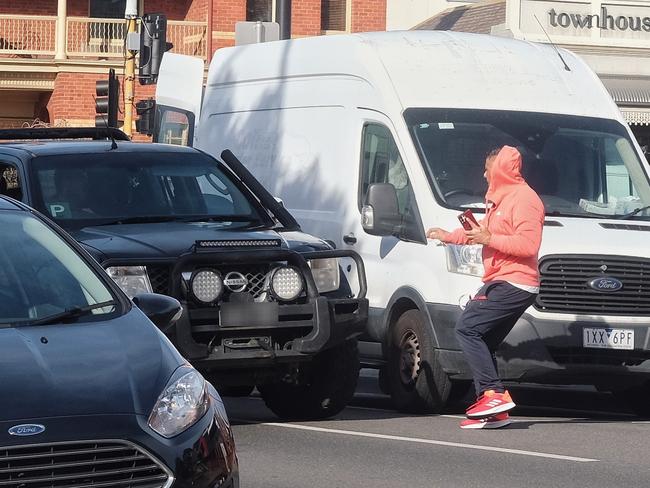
(437, 233)
(478, 235)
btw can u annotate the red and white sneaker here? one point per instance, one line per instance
(490, 403)
(495, 422)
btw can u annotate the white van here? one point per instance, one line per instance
(369, 139)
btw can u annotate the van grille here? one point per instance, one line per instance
(102, 464)
(564, 285)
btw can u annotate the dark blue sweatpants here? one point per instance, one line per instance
(484, 324)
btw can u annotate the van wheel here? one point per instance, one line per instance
(636, 399)
(416, 381)
(324, 388)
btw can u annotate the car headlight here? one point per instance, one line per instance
(131, 279)
(206, 286)
(286, 283)
(465, 259)
(180, 405)
(326, 274)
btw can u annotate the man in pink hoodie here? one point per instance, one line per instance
(511, 234)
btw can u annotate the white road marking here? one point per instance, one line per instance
(432, 441)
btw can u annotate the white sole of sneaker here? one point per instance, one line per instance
(487, 425)
(492, 411)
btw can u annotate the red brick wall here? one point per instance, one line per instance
(368, 15)
(197, 10)
(305, 17)
(31, 7)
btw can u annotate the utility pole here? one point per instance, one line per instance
(131, 15)
(283, 17)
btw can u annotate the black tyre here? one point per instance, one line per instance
(326, 385)
(235, 391)
(636, 399)
(415, 379)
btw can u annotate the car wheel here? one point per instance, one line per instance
(324, 387)
(235, 391)
(415, 379)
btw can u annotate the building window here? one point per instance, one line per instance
(259, 10)
(333, 15)
(106, 37)
(107, 9)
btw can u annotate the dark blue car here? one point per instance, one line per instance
(93, 394)
(264, 304)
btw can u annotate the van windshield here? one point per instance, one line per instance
(580, 166)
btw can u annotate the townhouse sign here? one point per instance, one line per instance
(604, 20)
(624, 23)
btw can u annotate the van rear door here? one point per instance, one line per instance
(179, 93)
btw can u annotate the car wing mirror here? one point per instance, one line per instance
(162, 310)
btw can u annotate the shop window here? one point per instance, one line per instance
(333, 15)
(259, 10)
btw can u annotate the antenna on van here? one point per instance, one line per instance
(566, 66)
(108, 129)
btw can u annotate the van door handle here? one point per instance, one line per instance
(349, 239)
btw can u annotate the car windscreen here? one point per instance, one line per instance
(112, 187)
(42, 276)
(580, 166)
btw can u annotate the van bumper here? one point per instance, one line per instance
(550, 350)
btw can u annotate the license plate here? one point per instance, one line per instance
(601, 338)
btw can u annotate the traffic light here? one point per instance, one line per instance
(153, 44)
(146, 109)
(107, 100)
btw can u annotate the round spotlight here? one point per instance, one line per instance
(286, 283)
(206, 286)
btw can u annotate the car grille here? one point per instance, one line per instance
(564, 285)
(159, 276)
(105, 464)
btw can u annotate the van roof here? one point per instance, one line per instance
(430, 69)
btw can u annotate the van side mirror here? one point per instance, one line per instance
(380, 215)
(162, 310)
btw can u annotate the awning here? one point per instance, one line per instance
(632, 95)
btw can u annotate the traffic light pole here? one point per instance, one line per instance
(129, 82)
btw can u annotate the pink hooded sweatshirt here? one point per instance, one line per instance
(515, 218)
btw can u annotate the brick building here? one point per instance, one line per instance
(53, 51)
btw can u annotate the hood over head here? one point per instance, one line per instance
(505, 172)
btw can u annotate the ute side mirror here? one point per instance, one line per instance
(380, 215)
(162, 310)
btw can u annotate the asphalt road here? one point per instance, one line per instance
(559, 438)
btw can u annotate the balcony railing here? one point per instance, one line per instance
(35, 36)
(27, 36)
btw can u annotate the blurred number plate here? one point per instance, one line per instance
(608, 338)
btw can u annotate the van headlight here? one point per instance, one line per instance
(131, 279)
(326, 274)
(465, 259)
(180, 405)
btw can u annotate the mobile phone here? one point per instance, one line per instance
(465, 218)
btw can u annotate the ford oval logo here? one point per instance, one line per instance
(27, 429)
(605, 284)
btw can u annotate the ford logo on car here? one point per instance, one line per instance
(27, 429)
(605, 284)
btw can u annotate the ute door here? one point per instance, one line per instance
(179, 93)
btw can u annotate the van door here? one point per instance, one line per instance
(388, 260)
(179, 94)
